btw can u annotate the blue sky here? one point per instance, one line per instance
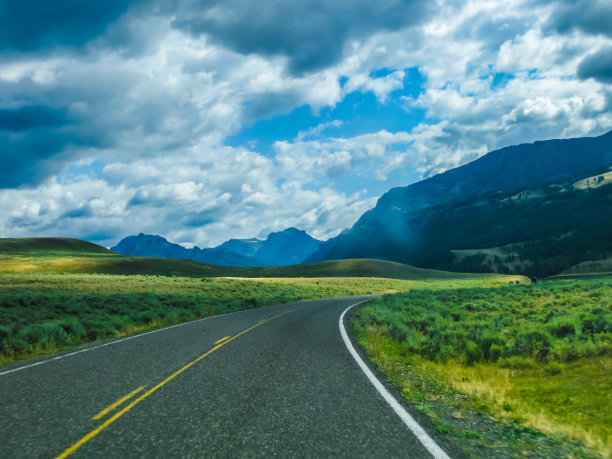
(204, 120)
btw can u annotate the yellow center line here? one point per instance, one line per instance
(117, 415)
(117, 403)
(222, 339)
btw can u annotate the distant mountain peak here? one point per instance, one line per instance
(290, 246)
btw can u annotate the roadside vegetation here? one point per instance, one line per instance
(536, 357)
(42, 313)
(56, 293)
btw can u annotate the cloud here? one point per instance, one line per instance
(587, 16)
(310, 34)
(151, 93)
(30, 117)
(597, 65)
(44, 25)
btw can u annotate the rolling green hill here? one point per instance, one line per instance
(61, 255)
(548, 204)
(56, 293)
(49, 245)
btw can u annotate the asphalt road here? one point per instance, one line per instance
(282, 383)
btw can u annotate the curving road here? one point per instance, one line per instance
(275, 381)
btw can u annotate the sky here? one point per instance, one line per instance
(204, 120)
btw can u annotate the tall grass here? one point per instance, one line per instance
(507, 348)
(43, 312)
(551, 322)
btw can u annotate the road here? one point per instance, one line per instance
(274, 381)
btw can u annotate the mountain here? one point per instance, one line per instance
(146, 245)
(287, 247)
(527, 205)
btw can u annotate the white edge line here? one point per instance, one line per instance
(114, 342)
(410, 422)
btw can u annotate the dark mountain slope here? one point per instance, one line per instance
(470, 207)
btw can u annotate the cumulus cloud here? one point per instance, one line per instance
(60, 24)
(597, 65)
(310, 34)
(151, 92)
(587, 16)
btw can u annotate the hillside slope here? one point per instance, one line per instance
(49, 245)
(49, 255)
(522, 195)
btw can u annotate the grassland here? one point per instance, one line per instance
(588, 268)
(56, 293)
(60, 255)
(536, 358)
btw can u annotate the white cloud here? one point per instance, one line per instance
(157, 118)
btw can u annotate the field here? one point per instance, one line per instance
(56, 293)
(64, 256)
(536, 358)
(589, 267)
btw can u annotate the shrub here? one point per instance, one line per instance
(516, 362)
(564, 351)
(531, 341)
(73, 328)
(563, 326)
(46, 334)
(495, 352)
(472, 352)
(485, 341)
(554, 368)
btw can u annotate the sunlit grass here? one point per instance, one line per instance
(540, 355)
(44, 312)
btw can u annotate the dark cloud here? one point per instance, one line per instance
(589, 16)
(36, 141)
(42, 24)
(29, 117)
(597, 66)
(311, 34)
(144, 198)
(81, 212)
(269, 104)
(29, 158)
(206, 217)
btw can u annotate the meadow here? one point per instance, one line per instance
(536, 356)
(42, 313)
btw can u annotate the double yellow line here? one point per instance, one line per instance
(109, 421)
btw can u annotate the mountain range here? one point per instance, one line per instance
(288, 247)
(534, 209)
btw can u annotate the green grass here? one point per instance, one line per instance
(56, 293)
(538, 355)
(60, 255)
(49, 245)
(44, 312)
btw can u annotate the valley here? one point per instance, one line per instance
(481, 295)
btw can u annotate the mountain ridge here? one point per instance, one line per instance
(404, 223)
(287, 247)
